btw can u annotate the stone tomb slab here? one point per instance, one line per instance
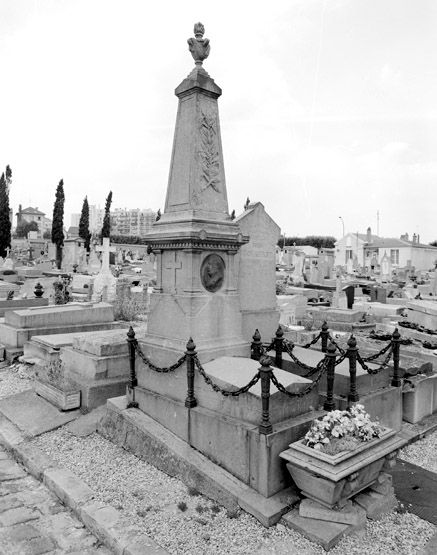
(34, 415)
(366, 383)
(232, 373)
(73, 313)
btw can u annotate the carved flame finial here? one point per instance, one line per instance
(198, 46)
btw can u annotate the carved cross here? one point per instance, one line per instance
(174, 265)
(105, 249)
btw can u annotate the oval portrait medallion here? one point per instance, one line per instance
(212, 272)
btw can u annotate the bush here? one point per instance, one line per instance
(127, 309)
(9, 273)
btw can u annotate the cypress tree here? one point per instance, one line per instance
(106, 229)
(58, 222)
(84, 224)
(5, 222)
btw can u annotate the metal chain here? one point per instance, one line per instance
(288, 349)
(157, 368)
(340, 360)
(225, 392)
(307, 389)
(341, 351)
(313, 342)
(369, 370)
(377, 355)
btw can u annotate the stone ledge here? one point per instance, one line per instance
(103, 520)
(150, 441)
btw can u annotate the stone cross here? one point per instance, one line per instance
(105, 249)
(8, 250)
(174, 265)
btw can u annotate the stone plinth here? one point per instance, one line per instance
(419, 399)
(98, 365)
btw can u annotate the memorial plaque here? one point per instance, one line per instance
(212, 273)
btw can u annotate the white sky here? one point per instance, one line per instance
(328, 107)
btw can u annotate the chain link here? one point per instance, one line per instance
(288, 348)
(369, 370)
(225, 392)
(313, 342)
(340, 360)
(340, 350)
(377, 355)
(157, 368)
(304, 391)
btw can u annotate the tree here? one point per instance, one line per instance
(58, 222)
(434, 243)
(84, 224)
(5, 222)
(24, 227)
(317, 241)
(106, 229)
(8, 179)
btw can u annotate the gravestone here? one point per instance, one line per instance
(94, 263)
(257, 272)
(297, 275)
(386, 267)
(105, 284)
(292, 310)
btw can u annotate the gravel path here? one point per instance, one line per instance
(184, 522)
(422, 452)
(15, 378)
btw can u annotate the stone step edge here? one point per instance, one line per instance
(103, 520)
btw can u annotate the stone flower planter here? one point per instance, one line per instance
(64, 400)
(332, 479)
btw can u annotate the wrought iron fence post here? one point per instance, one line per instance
(396, 342)
(324, 334)
(329, 404)
(133, 382)
(352, 352)
(256, 346)
(265, 371)
(279, 346)
(190, 401)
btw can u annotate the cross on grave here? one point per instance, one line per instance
(174, 265)
(105, 249)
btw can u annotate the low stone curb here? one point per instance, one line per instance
(104, 521)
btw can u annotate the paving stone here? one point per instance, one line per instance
(68, 487)
(10, 470)
(349, 514)
(9, 502)
(33, 521)
(376, 504)
(18, 533)
(326, 534)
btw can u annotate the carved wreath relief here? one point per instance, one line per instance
(212, 273)
(209, 152)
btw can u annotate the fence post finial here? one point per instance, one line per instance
(279, 346)
(329, 404)
(256, 346)
(190, 401)
(265, 371)
(396, 342)
(324, 334)
(132, 382)
(352, 353)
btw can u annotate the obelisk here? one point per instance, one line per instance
(196, 240)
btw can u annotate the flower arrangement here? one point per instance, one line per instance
(342, 430)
